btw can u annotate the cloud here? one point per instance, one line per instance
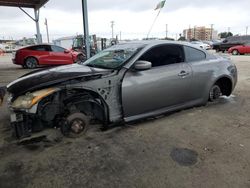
(144, 5)
(133, 18)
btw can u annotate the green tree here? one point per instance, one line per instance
(182, 38)
(225, 34)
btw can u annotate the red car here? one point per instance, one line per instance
(241, 49)
(45, 54)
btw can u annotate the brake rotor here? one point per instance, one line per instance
(77, 126)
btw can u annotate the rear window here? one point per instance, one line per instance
(193, 54)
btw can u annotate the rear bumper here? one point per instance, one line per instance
(14, 61)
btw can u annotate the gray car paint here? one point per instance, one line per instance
(160, 90)
(145, 91)
(131, 94)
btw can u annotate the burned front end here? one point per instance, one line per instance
(33, 111)
(72, 97)
(59, 97)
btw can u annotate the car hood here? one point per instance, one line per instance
(44, 78)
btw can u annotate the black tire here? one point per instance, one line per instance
(76, 125)
(215, 93)
(31, 63)
(235, 52)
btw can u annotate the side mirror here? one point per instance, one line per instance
(66, 51)
(142, 65)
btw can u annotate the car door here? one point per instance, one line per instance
(166, 84)
(244, 49)
(40, 52)
(60, 56)
(248, 48)
(202, 69)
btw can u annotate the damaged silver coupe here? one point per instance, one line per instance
(123, 83)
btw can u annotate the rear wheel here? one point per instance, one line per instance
(235, 52)
(215, 93)
(31, 63)
(76, 125)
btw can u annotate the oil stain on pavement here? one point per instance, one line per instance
(184, 157)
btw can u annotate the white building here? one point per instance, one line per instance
(65, 42)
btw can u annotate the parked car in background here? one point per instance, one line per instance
(45, 54)
(240, 49)
(123, 83)
(201, 45)
(231, 42)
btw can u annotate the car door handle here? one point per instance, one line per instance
(183, 73)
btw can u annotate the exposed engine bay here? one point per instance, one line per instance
(68, 105)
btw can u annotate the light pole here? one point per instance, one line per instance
(195, 32)
(47, 28)
(166, 31)
(246, 30)
(112, 27)
(212, 25)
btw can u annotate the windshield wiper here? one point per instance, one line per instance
(91, 65)
(98, 66)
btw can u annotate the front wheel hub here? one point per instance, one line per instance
(77, 126)
(215, 93)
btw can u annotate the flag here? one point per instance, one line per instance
(160, 5)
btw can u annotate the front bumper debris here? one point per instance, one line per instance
(23, 124)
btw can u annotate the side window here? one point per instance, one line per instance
(57, 49)
(193, 54)
(39, 48)
(164, 55)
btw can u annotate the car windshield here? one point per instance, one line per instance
(113, 57)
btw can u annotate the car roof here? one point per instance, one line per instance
(151, 43)
(34, 45)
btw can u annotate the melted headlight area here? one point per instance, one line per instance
(54, 110)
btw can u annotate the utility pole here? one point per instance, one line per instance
(246, 30)
(212, 25)
(166, 31)
(47, 28)
(120, 35)
(112, 27)
(195, 32)
(228, 29)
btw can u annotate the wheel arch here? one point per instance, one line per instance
(89, 101)
(24, 60)
(225, 83)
